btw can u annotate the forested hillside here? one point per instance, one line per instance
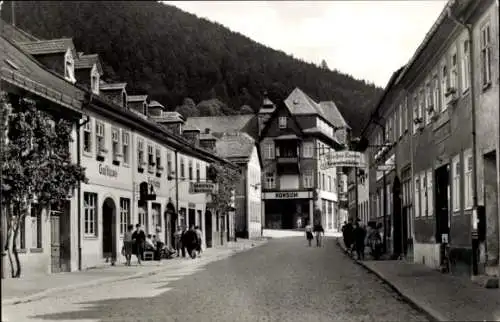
(174, 55)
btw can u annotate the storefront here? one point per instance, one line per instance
(287, 209)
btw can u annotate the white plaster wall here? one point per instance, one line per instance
(254, 195)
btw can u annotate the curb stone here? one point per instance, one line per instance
(431, 314)
(42, 294)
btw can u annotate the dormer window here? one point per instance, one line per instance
(145, 108)
(124, 99)
(69, 67)
(94, 80)
(282, 122)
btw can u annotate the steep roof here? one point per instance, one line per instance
(52, 46)
(22, 70)
(15, 34)
(299, 103)
(221, 124)
(112, 86)
(235, 146)
(333, 114)
(87, 61)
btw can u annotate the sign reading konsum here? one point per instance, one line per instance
(343, 159)
(287, 195)
(107, 171)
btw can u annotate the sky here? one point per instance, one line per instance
(366, 39)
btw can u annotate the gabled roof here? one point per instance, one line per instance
(299, 103)
(112, 86)
(87, 61)
(333, 114)
(52, 46)
(22, 70)
(221, 124)
(235, 146)
(137, 98)
(280, 106)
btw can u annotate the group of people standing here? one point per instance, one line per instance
(356, 237)
(188, 241)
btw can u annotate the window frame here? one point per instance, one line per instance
(90, 214)
(456, 184)
(282, 122)
(125, 215)
(485, 56)
(87, 131)
(126, 147)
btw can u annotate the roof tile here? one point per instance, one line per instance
(238, 145)
(52, 46)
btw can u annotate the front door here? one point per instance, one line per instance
(208, 228)
(55, 243)
(108, 230)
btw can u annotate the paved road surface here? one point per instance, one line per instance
(281, 281)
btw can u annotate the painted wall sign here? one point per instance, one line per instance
(107, 171)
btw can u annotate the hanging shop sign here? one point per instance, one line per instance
(349, 159)
(201, 187)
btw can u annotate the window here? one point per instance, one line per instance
(465, 65)
(485, 55)
(197, 172)
(151, 160)
(87, 136)
(124, 215)
(405, 114)
(401, 126)
(158, 158)
(270, 181)
(430, 193)
(115, 139)
(415, 113)
(99, 137)
(329, 183)
(468, 161)
(454, 72)
(444, 86)
(69, 67)
(282, 122)
(428, 103)
(94, 80)
(308, 150)
(456, 183)
(269, 151)
(417, 196)
(308, 179)
(190, 169)
(36, 226)
(169, 163)
(323, 182)
(126, 147)
(183, 174)
(140, 152)
(90, 214)
(435, 93)
(423, 193)
(422, 102)
(124, 99)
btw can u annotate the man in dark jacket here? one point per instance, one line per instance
(359, 240)
(139, 238)
(347, 231)
(189, 241)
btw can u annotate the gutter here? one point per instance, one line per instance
(474, 232)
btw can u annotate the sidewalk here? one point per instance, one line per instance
(442, 297)
(32, 288)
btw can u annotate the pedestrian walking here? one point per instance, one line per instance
(128, 244)
(347, 232)
(320, 233)
(177, 240)
(139, 238)
(309, 234)
(359, 240)
(189, 241)
(183, 243)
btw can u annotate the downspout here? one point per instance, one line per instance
(474, 235)
(177, 188)
(79, 188)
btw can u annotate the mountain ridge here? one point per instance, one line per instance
(178, 57)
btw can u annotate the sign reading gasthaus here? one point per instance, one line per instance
(201, 187)
(343, 159)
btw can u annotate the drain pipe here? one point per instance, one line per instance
(475, 237)
(177, 187)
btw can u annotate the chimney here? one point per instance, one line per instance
(192, 134)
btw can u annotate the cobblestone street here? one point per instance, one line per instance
(282, 280)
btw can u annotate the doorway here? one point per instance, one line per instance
(60, 237)
(109, 229)
(170, 219)
(488, 230)
(208, 228)
(399, 224)
(191, 217)
(442, 193)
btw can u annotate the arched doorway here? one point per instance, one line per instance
(208, 228)
(398, 221)
(170, 219)
(109, 229)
